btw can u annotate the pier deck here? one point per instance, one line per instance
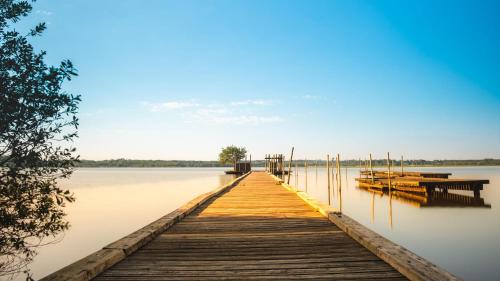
(256, 230)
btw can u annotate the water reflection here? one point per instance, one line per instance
(421, 200)
(390, 210)
(103, 193)
(433, 199)
(440, 227)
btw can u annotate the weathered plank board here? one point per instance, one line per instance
(255, 230)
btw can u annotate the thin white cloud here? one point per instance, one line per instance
(167, 106)
(244, 112)
(235, 119)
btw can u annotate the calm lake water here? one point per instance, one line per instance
(112, 203)
(465, 240)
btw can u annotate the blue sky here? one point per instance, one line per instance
(181, 79)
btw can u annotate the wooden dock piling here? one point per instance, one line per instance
(290, 166)
(371, 169)
(328, 178)
(340, 183)
(389, 171)
(402, 170)
(334, 179)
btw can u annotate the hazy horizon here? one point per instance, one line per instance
(394, 157)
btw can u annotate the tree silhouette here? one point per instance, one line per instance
(37, 125)
(232, 154)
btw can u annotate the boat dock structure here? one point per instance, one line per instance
(418, 182)
(255, 228)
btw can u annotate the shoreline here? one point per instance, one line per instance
(323, 166)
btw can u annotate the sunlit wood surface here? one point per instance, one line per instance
(256, 230)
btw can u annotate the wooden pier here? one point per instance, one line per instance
(254, 228)
(275, 164)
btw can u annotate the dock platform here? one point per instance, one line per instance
(419, 182)
(256, 228)
(383, 174)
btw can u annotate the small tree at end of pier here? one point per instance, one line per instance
(232, 154)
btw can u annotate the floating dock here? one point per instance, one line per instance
(418, 182)
(255, 228)
(241, 168)
(383, 174)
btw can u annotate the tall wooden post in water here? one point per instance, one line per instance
(389, 172)
(280, 165)
(276, 164)
(273, 163)
(270, 163)
(371, 168)
(402, 166)
(340, 183)
(290, 167)
(390, 210)
(328, 177)
(334, 179)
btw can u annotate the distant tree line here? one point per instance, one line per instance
(260, 163)
(149, 163)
